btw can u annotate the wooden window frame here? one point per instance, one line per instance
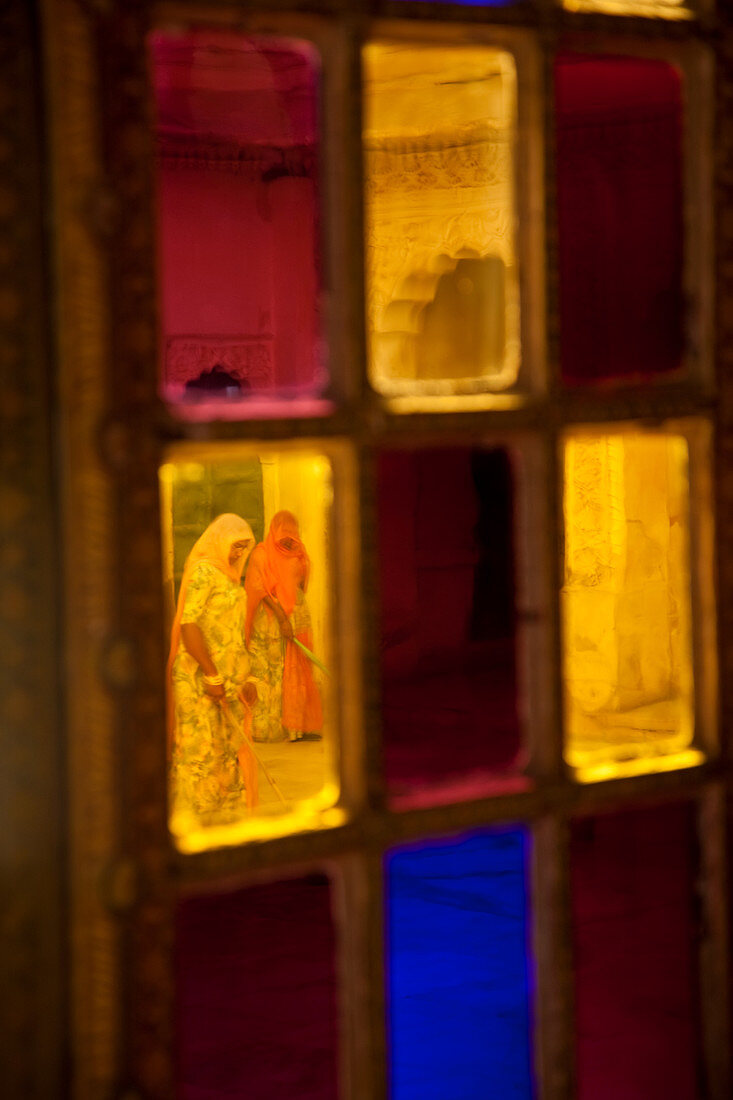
(124, 874)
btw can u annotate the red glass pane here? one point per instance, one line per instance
(619, 196)
(634, 932)
(449, 707)
(256, 994)
(239, 260)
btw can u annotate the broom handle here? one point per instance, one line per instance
(254, 752)
(311, 657)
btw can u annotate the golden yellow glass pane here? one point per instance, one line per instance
(660, 9)
(442, 282)
(626, 604)
(248, 571)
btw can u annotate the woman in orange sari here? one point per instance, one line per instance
(213, 772)
(288, 702)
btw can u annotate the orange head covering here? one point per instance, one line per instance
(279, 566)
(214, 546)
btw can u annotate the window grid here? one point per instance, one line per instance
(126, 481)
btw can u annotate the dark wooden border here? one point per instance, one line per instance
(33, 1033)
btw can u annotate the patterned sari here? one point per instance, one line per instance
(213, 774)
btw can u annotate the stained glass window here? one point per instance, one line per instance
(240, 259)
(620, 208)
(459, 972)
(249, 576)
(257, 997)
(449, 691)
(626, 604)
(477, 486)
(442, 278)
(655, 9)
(635, 933)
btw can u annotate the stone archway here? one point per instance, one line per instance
(439, 194)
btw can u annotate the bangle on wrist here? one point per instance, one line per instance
(217, 680)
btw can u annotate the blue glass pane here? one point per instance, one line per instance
(458, 968)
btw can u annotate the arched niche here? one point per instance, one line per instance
(239, 257)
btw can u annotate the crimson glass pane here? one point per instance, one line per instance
(619, 196)
(449, 700)
(634, 931)
(256, 1002)
(459, 975)
(237, 139)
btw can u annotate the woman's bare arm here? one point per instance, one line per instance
(284, 623)
(193, 640)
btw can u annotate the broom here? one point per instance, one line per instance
(240, 732)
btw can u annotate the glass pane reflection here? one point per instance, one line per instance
(626, 604)
(247, 580)
(619, 129)
(635, 931)
(238, 189)
(659, 9)
(459, 971)
(257, 1006)
(450, 715)
(443, 289)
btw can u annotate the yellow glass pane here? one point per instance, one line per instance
(660, 9)
(247, 573)
(442, 282)
(626, 604)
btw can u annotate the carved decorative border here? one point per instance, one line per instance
(252, 162)
(84, 213)
(136, 656)
(248, 358)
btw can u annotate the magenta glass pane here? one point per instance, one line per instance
(634, 932)
(256, 995)
(237, 135)
(449, 706)
(619, 197)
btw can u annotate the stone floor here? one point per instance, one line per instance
(298, 768)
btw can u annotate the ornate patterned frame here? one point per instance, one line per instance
(246, 358)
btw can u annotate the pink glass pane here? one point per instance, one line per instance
(449, 707)
(634, 932)
(239, 258)
(619, 196)
(256, 994)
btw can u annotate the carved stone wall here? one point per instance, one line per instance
(426, 209)
(439, 187)
(246, 358)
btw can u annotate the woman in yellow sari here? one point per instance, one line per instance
(213, 772)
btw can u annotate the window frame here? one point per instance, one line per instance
(114, 435)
